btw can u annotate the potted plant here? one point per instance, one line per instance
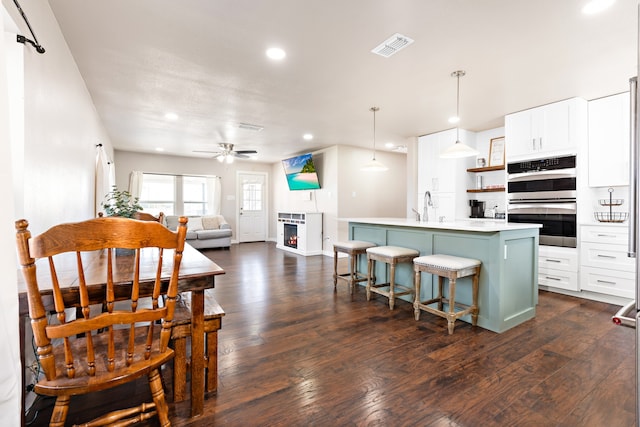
(120, 203)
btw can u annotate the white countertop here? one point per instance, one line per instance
(479, 224)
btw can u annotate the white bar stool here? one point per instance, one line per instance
(451, 267)
(391, 255)
(352, 248)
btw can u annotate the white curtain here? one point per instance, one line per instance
(105, 177)
(214, 186)
(135, 184)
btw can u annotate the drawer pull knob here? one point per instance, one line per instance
(606, 282)
(553, 260)
(606, 256)
(553, 278)
(607, 235)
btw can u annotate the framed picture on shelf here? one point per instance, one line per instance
(496, 152)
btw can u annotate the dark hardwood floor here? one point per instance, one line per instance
(294, 353)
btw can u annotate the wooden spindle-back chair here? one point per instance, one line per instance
(143, 216)
(75, 358)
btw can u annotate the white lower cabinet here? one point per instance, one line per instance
(558, 267)
(611, 282)
(604, 265)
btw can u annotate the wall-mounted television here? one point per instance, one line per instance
(301, 173)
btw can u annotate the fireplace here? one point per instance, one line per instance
(300, 232)
(291, 235)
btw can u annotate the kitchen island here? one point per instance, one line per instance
(508, 251)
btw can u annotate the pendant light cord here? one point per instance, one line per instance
(458, 74)
(374, 109)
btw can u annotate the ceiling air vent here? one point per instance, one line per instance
(248, 126)
(392, 45)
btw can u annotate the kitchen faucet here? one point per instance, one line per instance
(427, 202)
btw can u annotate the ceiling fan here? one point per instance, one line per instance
(227, 153)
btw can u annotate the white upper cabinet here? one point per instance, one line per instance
(609, 141)
(550, 130)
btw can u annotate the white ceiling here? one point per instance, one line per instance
(205, 61)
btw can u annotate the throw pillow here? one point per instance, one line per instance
(195, 224)
(210, 222)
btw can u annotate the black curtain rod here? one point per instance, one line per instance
(23, 39)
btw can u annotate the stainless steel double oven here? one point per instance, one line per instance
(543, 191)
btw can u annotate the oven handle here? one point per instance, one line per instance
(537, 175)
(542, 208)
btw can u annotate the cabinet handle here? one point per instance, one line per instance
(553, 278)
(553, 260)
(606, 282)
(605, 256)
(607, 235)
(540, 144)
(533, 144)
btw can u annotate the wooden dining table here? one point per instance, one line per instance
(197, 273)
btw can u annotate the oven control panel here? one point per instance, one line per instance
(550, 163)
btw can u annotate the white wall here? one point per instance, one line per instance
(61, 127)
(54, 164)
(127, 161)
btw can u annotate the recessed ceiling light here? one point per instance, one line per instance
(596, 6)
(389, 145)
(276, 53)
(171, 116)
(307, 137)
(159, 149)
(454, 119)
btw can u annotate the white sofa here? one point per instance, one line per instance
(203, 232)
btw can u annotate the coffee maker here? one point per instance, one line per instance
(477, 208)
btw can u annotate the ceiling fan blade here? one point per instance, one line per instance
(215, 153)
(241, 156)
(246, 152)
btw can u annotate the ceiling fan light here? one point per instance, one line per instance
(221, 159)
(229, 158)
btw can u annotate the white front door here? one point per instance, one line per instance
(252, 209)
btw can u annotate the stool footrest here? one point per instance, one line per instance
(403, 290)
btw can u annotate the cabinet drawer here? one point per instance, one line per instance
(558, 278)
(612, 235)
(555, 258)
(611, 282)
(606, 256)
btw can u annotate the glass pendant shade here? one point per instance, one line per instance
(374, 166)
(458, 150)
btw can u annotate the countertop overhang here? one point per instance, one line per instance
(479, 225)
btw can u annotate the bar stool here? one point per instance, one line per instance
(391, 255)
(453, 268)
(352, 248)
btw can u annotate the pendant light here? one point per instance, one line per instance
(458, 150)
(374, 165)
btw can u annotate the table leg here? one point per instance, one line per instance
(197, 353)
